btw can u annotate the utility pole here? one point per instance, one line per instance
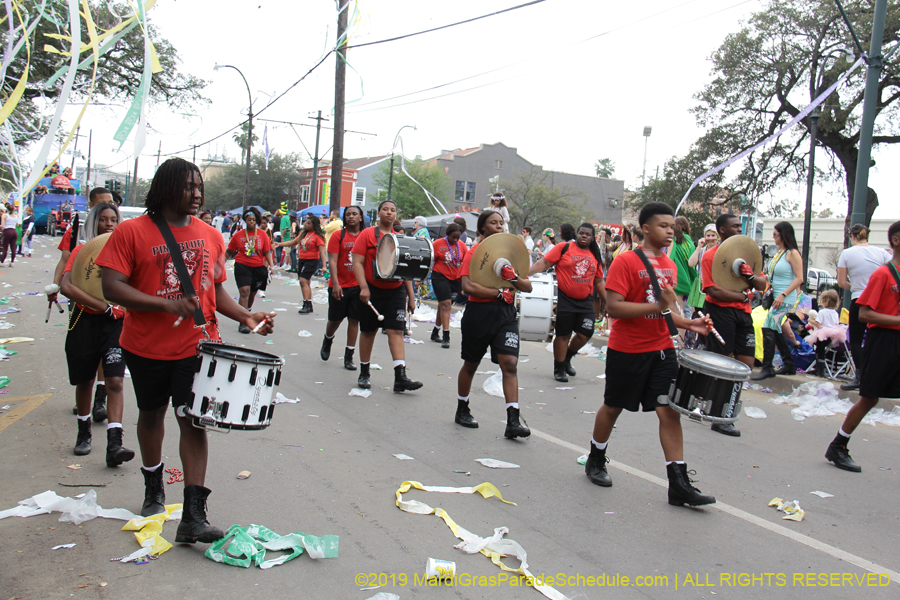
(75, 148)
(807, 217)
(195, 156)
(337, 156)
(134, 182)
(158, 154)
(90, 139)
(314, 197)
(647, 130)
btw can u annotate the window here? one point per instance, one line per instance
(465, 191)
(304, 194)
(498, 164)
(360, 196)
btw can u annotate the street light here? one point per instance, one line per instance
(249, 133)
(647, 130)
(391, 176)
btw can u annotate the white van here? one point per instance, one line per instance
(130, 212)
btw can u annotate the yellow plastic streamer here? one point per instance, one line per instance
(149, 529)
(17, 92)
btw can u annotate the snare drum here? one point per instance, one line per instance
(402, 257)
(537, 309)
(233, 387)
(708, 386)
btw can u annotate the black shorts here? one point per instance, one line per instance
(580, 322)
(489, 324)
(348, 307)
(307, 267)
(879, 376)
(256, 278)
(155, 381)
(639, 379)
(390, 303)
(93, 339)
(736, 328)
(444, 288)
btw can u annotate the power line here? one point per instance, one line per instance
(409, 35)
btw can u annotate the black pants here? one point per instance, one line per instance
(857, 331)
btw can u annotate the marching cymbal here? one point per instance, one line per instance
(499, 245)
(85, 273)
(728, 259)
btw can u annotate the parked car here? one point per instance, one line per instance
(819, 279)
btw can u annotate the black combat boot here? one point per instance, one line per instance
(567, 364)
(325, 352)
(99, 411)
(681, 491)
(515, 425)
(154, 492)
(306, 308)
(83, 441)
(768, 355)
(116, 453)
(363, 380)
(445, 343)
(348, 360)
(559, 371)
(402, 383)
(787, 366)
(595, 467)
(194, 527)
(436, 335)
(838, 454)
(464, 415)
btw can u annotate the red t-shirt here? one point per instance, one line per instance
(68, 269)
(344, 249)
(250, 251)
(628, 277)
(576, 271)
(881, 295)
(367, 247)
(65, 244)
(448, 261)
(137, 249)
(464, 270)
(308, 247)
(706, 264)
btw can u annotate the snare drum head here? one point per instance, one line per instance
(386, 255)
(715, 365)
(232, 352)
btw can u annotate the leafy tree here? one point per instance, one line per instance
(268, 188)
(827, 213)
(786, 55)
(784, 209)
(533, 202)
(240, 138)
(605, 167)
(409, 197)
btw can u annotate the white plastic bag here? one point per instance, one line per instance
(493, 385)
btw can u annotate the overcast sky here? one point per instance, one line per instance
(566, 82)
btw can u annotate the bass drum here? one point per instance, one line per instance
(537, 309)
(401, 257)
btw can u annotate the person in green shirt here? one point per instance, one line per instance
(285, 227)
(682, 249)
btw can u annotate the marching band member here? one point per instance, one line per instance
(391, 300)
(879, 307)
(93, 339)
(490, 321)
(252, 253)
(343, 301)
(311, 242)
(641, 363)
(579, 272)
(138, 273)
(449, 254)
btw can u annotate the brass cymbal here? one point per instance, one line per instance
(499, 245)
(728, 260)
(85, 273)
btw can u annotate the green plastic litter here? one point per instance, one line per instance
(4, 381)
(243, 546)
(270, 342)
(5, 300)
(267, 300)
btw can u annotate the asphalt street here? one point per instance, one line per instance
(326, 465)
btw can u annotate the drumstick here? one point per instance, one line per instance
(49, 308)
(380, 316)
(59, 306)
(259, 325)
(713, 330)
(177, 322)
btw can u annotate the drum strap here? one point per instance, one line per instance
(180, 269)
(670, 322)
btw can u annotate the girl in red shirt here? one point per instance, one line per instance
(311, 244)
(252, 253)
(449, 254)
(343, 301)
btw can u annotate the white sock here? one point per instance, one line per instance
(113, 425)
(674, 462)
(152, 469)
(843, 433)
(351, 347)
(447, 330)
(329, 337)
(512, 405)
(85, 417)
(99, 383)
(463, 398)
(599, 445)
(399, 363)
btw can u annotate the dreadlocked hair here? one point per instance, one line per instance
(168, 184)
(594, 246)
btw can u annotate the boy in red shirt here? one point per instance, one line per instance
(252, 253)
(138, 274)
(879, 306)
(343, 301)
(641, 363)
(579, 273)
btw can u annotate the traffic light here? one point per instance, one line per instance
(108, 184)
(118, 186)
